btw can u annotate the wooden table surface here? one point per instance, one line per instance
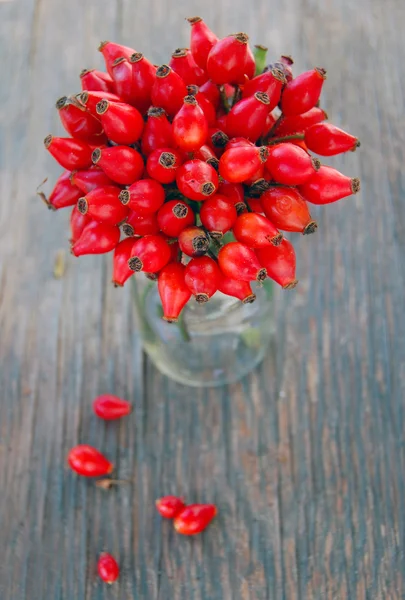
(305, 457)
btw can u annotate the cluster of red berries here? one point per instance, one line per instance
(200, 163)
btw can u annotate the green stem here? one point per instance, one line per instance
(297, 136)
(259, 53)
(236, 95)
(224, 99)
(273, 129)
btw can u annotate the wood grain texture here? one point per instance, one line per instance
(305, 458)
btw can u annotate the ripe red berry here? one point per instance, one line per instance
(121, 164)
(168, 90)
(235, 193)
(290, 165)
(256, 205)
(103, 205)
(190, 127)
(206, 106)
(96, 81)
(88, 461)
(143, 78)
(256, 231)
(173, 292)
(211, 92)
(122, 123)
(78, 122)
(327, 139)
(248, 117)
(140, 225)
(96, 238)
(271, 83)
(122, 75)
(145, 196)
(69, 153)
(108, 568)
(170, 506)
(91, 99)
(111, 51)
(300, 123)
(237, 261)
(157, 132)
(109, 407)
(238, 164)
(197, 180)
(163, 164)
(121, 270)
(302, 93)
(183, 63)
(287, 210)
(193, 241)
(279, 261)
(194, 518)
(207, 154)
(149, 254)
(202, 39)
(239, 142)
(218, 215)
(250, 63)
(174, 216)
(202, 277)
(77, 223)
(64, 193)
(256, 178)
(237, 289)
(328, 185)
(89, 179)
(226, 60)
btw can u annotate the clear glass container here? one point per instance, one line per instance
(213, 343)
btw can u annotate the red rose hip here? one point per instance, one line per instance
(287, 210)
(174, 216)
(238, 261)
(149, 254)
(170, 506)
(328, 185)
(120, 163)
(256, 231)
(202, 277)
(88, 461)
(194, 518)
(69, 153)
(108, 568)
(173, 291)
(109, 407)
(197, 180)
(279, 262)
(121, 270)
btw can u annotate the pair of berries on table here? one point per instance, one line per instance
(203, 163)
(188, 519)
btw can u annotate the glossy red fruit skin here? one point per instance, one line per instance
(138, 225)
(170, 506)
(270, 83)
(89, 179)
(120, 163)
(121, 273)
(237, 261)
(248, 117)
(207, 154)
(111, 51)
(90, 99)
(206, 106)
(238, 164)
(122, 123)
(183, 63)
(77, 223)
(69, 153)
(239, 142)
(193, 241)
(237, 289)
(88, 461)
(64, 193)
(226, 60)
(96, 238)
(190, 127)
(202, 39)
(256, 205)
(195, 518)
(108, 568)
(174, 216)
(149, 254)
(300, 123)
(163, 164)
(78, 122)
(96, 81)
(235, 193)
(257, 176)
(145, 196)
(110, 407)
(302, 93)
(327, 140)
(197, 180)
(328, 185)
(256, 231)
(287, 210)
(211, 92)
(103, 205)
(174, 295)
(143, 78)
(157, 132)
(122, 75)
(218, 215)
(202, 277)
(279, 261)
(290, 165)
(168, 90)
(250, 64)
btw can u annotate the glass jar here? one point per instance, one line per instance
(213, 343)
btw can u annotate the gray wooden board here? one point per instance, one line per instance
(305, 457)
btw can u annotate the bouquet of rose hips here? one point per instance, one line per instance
(201, 163)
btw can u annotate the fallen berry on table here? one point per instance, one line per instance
(108, 568)
(88, 461)
(170, 506)
(194, 518)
